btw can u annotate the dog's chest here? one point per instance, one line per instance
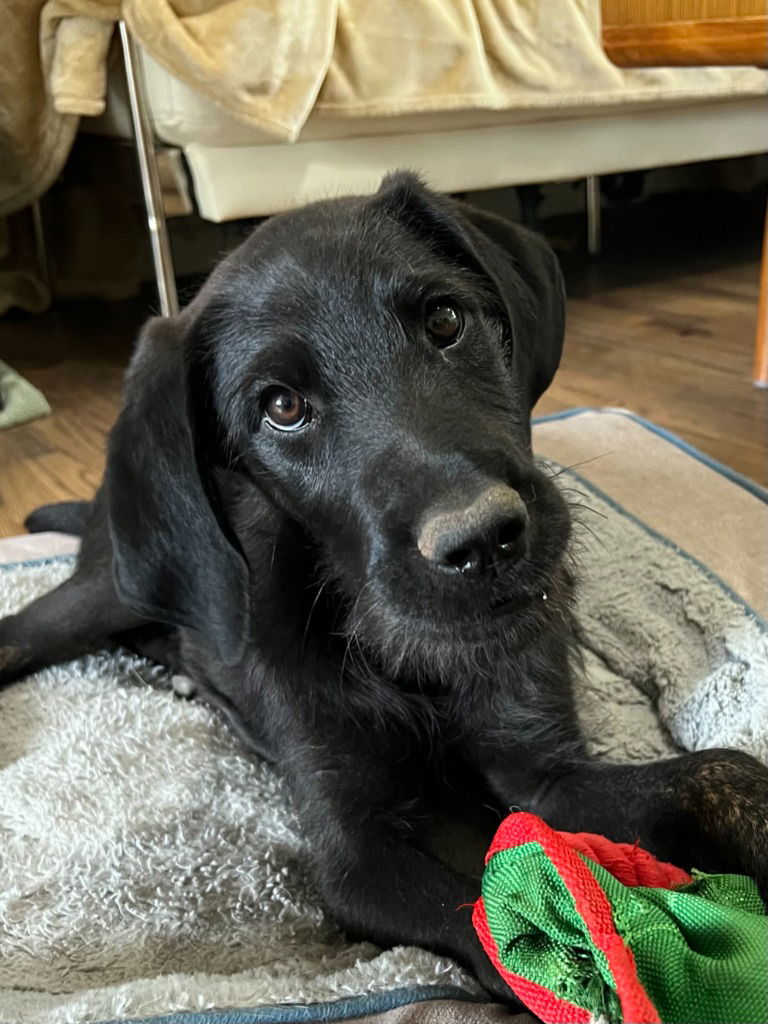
(406, 725)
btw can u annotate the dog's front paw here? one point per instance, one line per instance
(725, 792)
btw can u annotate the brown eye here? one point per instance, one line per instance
(443, 322)
(286, 410)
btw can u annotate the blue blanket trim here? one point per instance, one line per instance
(35, 563)
(719, 467)
(341, 1009)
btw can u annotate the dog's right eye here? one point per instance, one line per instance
(285, 409)
(444, 322)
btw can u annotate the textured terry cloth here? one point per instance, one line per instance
(578, 935)
(19, 400)
(150, 865)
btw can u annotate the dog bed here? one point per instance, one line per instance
(153, 870)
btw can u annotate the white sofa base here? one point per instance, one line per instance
(247, 181)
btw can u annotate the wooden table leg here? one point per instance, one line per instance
(761, 339)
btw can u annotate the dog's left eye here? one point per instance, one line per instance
(285, 409)
(443, 321)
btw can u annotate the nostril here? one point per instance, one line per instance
(464, 560)
(510, 533)
(510, 537)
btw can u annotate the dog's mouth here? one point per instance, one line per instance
(505, 611)
(437, 641)
(468, 621)
(509, 606)
(497, 598)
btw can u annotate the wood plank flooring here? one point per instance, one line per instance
(678, 352)
(663, 323)
(76, 355)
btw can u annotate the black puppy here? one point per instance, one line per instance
(321, 505)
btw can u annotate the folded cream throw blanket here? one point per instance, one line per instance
(149, 865)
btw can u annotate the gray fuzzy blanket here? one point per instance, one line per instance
(149, 865)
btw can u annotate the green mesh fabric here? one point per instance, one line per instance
(701, 951)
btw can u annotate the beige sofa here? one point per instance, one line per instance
(272, 103)
(238, 171)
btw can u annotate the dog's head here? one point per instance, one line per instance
(368, 367)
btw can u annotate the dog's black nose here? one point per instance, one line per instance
(477, 537)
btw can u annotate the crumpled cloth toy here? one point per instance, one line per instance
(585, 929)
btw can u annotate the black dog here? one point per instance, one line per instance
(321, 505)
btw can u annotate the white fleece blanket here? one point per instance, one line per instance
(149, 865)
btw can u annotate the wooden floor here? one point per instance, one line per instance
(663, 323)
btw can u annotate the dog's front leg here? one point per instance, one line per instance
(374, 880)
(705, 810)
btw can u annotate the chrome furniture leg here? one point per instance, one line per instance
(150, 180)
(41, 251)
(594, 243)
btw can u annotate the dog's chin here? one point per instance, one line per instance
(439, 640)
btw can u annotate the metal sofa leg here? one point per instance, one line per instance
(761, 337)
(150, 179)
(41, 249)
(594, 241)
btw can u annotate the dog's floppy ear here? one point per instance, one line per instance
(173, 559)
(518, 262)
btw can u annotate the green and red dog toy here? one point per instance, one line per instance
(584, 929)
